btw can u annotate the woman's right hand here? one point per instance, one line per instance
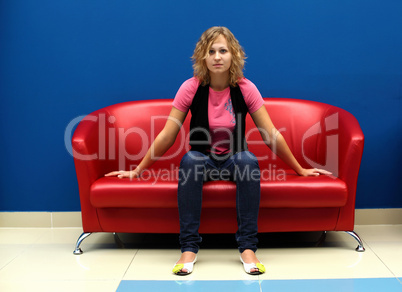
(124, 174)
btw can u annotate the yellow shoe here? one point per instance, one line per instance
(248, 267)
(178, 268)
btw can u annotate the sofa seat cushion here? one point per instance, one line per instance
(294, 192)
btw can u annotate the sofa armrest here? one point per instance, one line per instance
(88, 164)
(351, 143)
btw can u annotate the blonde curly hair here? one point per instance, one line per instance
(201, 52)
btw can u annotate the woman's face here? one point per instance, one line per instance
(219, 58)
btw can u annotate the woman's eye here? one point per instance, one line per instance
(221, 51)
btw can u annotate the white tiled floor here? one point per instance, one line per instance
(42, 259)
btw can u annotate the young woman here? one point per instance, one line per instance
(219, 98)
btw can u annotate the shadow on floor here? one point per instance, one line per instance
(222, 241)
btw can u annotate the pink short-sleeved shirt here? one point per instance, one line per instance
(221, 116)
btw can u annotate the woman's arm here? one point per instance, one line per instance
(161, 144)
(275, 141)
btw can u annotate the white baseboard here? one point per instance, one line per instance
(73, 219)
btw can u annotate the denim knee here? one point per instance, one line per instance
(246, 163)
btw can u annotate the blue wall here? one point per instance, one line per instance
(65, 58)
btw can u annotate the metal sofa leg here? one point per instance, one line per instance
(118, 241)
(360, 247)
(78, 250)
(322, 238)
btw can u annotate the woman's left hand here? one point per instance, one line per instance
(314, 172)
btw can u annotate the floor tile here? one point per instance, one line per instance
(390, 254)
(14, 241)
(377, 233)
(9, 252)
(59, 286)
(148, 263)
(334, 285)
(386, 242)
(222, 264)
(21, 235)
(330, 285)
(336, 258)
(212, 264)
(42, 257)
(57, 262)
(193, 286)
(321, 263)
(217, 253)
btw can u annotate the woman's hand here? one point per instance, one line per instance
(314, 172)
(124, 174)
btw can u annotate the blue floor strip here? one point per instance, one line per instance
(328, 285)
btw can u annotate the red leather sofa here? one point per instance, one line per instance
(117, 137)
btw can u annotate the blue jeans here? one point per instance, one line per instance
(195, 168)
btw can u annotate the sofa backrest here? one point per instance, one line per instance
(129, 129)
